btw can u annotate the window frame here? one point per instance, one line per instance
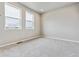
(33, 20)
(20, 18)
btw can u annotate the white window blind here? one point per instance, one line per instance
(12, 17)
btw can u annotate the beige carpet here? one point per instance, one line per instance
(41, 47)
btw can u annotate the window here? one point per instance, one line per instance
(12, 17)
(29, 20)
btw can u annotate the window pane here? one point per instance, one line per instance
(29, 16)
(10, 22)
(29, 25)
(12, 11)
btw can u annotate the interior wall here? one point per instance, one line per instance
(9, 36)
(62, 23)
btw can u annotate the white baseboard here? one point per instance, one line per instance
(59, 38)
(22, 40)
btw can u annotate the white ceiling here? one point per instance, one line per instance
(42, 7)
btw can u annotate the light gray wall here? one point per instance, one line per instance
(9, 36)
(62, 23)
